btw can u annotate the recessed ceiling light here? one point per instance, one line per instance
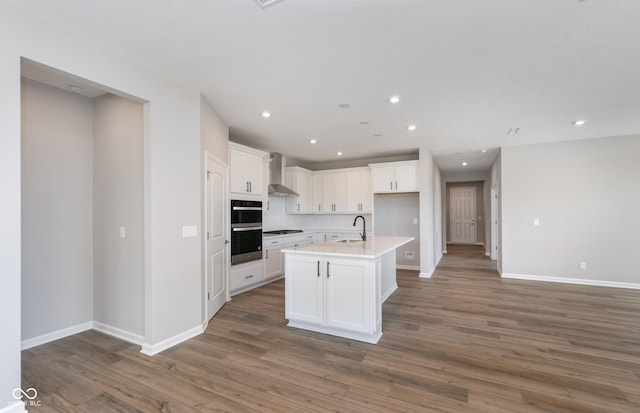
(464, 164)
(344, 105)
(394, 99)
(339, 153)
(313, 141)
(412, 127)
(483, 151)
(578, 122)
(266, 114)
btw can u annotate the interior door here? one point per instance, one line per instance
(463, 212)
(217, 223)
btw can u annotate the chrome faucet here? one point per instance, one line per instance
(364, 227)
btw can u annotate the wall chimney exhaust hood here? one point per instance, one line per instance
(276, 172)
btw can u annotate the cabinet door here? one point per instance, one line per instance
(304, 289)
(238, 181)
(273, 263)
(349, 288)
(253, 167)
(328, 193)
(383, 179)
(354, 191)
(340, 192)
(365, 192)
(405, 178)
(317, 197)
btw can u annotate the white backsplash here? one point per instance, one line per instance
(277, 218)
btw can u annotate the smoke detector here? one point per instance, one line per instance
(266, 3)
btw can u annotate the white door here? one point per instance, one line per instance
(463, 212)
(216, 224)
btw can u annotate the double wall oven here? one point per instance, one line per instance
(246, 231)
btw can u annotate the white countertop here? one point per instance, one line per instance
(374, 247)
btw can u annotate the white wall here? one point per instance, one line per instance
(495, 180)
(118, 197)
(585, 194)
(438, 227)
(394, 215)
(427, 207)
(57, 203)
(172, 152)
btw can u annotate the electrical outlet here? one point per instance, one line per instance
(583, 265)
(409, 255)
(123, 232)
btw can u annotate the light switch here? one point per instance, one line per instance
(536, 222)
(415, 220)
(123, 232)
(189, 231)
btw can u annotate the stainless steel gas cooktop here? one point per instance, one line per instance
(282, 231)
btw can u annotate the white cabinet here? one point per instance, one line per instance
(273, 260)
(266, 205)
(246, 170)
(333, 295)
(317, 196)
(244, 275)
(359, 191)
(334, 191)
(395, 177)
(301, 181)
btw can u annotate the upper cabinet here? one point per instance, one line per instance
(299, 180)
(395, 177)
(359, 190)
(246, 170)
(334, 192)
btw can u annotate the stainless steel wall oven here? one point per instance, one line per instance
(246, 231)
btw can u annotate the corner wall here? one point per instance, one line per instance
(585, 195)
(57, 216)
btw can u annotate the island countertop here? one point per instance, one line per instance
(373, 247)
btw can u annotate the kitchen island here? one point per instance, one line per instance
(338, 287)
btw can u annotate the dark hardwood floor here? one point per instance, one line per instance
(462, 341)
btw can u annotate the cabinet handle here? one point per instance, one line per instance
(267, 254)
(298, 207)
(249, 186)
(396, 184)
(248, 276)
(318, 268)
(318, 207)
(328, 269)
(391, 185)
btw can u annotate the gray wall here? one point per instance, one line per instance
(393, 215)
(495, 183)
(585, 194)
(57, 192)
(118, 201)
(481, 217)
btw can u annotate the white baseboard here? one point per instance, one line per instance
(17, 407)
(152, 349)
(408, 267)
(480, 243)
(390, 291)
(118, 333)
(55, 335)
(488, 254)
(444, 251)
(580, 281)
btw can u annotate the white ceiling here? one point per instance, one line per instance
(467, 71)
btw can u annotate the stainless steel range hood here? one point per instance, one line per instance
(276, 174)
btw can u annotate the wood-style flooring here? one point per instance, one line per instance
(462, 341)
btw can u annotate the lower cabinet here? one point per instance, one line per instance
(244, 275)
(337, 296)
(273, 263)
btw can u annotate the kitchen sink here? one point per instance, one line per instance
(349, 241)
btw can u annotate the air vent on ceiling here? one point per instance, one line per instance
(513, 131)
(266, 3)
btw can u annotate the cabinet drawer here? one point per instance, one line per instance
(271, 242)
(243, 275)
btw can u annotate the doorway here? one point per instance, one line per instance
(462, 208)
